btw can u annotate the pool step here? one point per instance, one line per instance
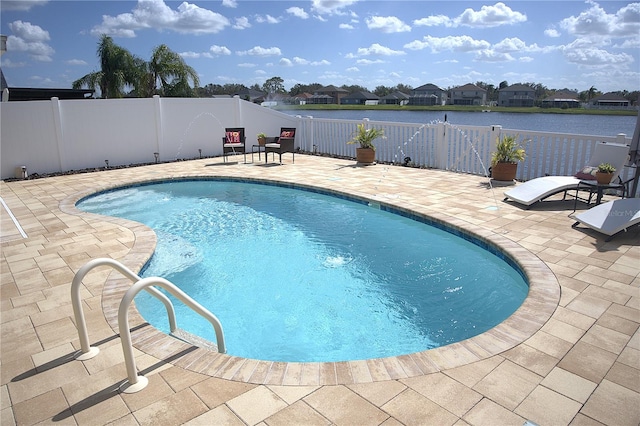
(192, 339)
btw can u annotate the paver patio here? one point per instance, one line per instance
(580, 366)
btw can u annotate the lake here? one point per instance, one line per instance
(582, 124)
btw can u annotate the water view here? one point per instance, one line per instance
(602, 125)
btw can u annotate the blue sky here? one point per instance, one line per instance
(572, 44)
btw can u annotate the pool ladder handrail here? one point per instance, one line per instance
(136, 383)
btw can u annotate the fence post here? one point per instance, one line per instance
(496, 130)
(158, 116)
(440, 145)
(621, 138)
(57, 123)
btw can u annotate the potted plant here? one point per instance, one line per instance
(604, 174)
(366, 153)
(262, 138)
(504, 160)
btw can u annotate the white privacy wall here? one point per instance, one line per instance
(63, 135)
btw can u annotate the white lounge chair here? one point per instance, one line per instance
(612, 217)
(538, 189)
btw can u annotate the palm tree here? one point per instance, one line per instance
(117, 70)
(168, 70)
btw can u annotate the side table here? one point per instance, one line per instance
(258, 149)
(593, 186)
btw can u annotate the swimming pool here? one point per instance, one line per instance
(245, 249)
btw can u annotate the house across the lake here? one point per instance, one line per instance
(469, 94)
(516, 95)
(428, 94)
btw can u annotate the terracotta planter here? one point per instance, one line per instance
(504, 171)
(365, 155)
(604, 178)
(262, 141)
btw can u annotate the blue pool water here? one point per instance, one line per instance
(295, 275)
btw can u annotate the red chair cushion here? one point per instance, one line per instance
(233, 137)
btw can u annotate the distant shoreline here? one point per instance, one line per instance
(516, 110)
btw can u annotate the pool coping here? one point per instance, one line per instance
(535, 311)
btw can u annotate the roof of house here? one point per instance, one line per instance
(42, 94)
(610, 96)
(251, 93)
(396, 95)
(469, 86)
(563, 96)
(45, 94)
(428, 86)
(331, 88)
(361, 95)
(518, 87)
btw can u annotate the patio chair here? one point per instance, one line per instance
(284, 144)
(612, 217)
(233, 142)
(538, 189)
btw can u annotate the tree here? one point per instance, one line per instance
(382, 91)
(404, 88)
(168, 70)
(302, 88)
(274, 85)
(354, 88)
(117, 70)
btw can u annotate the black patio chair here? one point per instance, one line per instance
(284, 144)
(233, 142)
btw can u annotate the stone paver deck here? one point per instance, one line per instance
(570, 355)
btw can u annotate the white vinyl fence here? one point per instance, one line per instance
(58, 136)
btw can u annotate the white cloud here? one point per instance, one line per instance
(242, 23)
(597, 22)
(593, 57)
(369, 61)
(377, 49)
(191, 55)
(230, 3)
(7, 63)
(219, 50)
(21, 5)
(331, 7)
(286, 62)
(76, 62)
(449, 43)
(514, 44)
(490, 16)
(298, 12)
(31, 39)
(247, 65)
(346, 27)
(28, 31)
(268, 19)
(489, 55)
(261, 51)
(353, 69)
(187, 19)
(551, 32)
(434, 21)
(387, 24)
